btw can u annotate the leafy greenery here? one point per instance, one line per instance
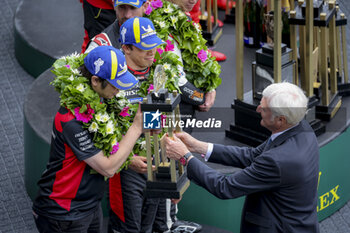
(169, 19)
(170, 62)
(106, 124)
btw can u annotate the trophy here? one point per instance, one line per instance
(343, 83)
(270, 63)
(166, 181)
(263, 67)
(269, 26)
(317, 30)
(210, 31)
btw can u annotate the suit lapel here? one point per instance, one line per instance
(268, 144)
(284, 136)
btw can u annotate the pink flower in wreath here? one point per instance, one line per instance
(160, 51)
(85, 116)
(115, 148)
(124, 112)
(157, 4)
(151, 88)
(202, 55)
(68, 66)
(148, 10)
(169, 46)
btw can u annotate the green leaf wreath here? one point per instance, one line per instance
(107, 121)
(201, 69)
(171, 63)
(110, 120)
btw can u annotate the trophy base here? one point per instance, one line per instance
(323, 8)
(326, 113)
(316, 124)
(317, 6)
(247, 128)
(246, 136)
(263, 76)
(231, 17)
(344, 89)
(164, 188)
(264, 56)
(317, 89)
(211, 37)
(162, 106)
(339, 21)
(318, 127)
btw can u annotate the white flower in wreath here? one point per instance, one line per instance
(123, 102)
(181, 14)
(81, 87)
(75, 54)
(166, 66)
(98, 117)
(105, 117)
(93, 127)
(71, 78)
(120, 94)
(114, 141)
(161, 24)
(168, 9)
(196, 25)
(63, 58)
(76, 71)
(143, 145)
(173, 19)
(110, 127)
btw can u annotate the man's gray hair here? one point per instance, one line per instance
(286, 99)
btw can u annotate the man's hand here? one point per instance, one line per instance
(193, 144)
(137, 123)
(188, 140)
(175, 148)
(139, 164)
(209, 101)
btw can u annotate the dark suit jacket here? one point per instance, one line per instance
(280, 181)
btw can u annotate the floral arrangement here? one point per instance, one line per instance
(201, 69)
(107, 121)
(171, 64)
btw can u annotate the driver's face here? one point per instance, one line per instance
(125, 12)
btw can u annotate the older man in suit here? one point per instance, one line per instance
(279, 176)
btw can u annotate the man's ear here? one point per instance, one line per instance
(126, 49)
(282, 121)
(94, 80)
(145, 6)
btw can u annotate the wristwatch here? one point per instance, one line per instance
(184, 159)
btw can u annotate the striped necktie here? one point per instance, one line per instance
(268, 143)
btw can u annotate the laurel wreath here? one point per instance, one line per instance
(107, 121)
(169, 19)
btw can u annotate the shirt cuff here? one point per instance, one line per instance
(209, 151)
